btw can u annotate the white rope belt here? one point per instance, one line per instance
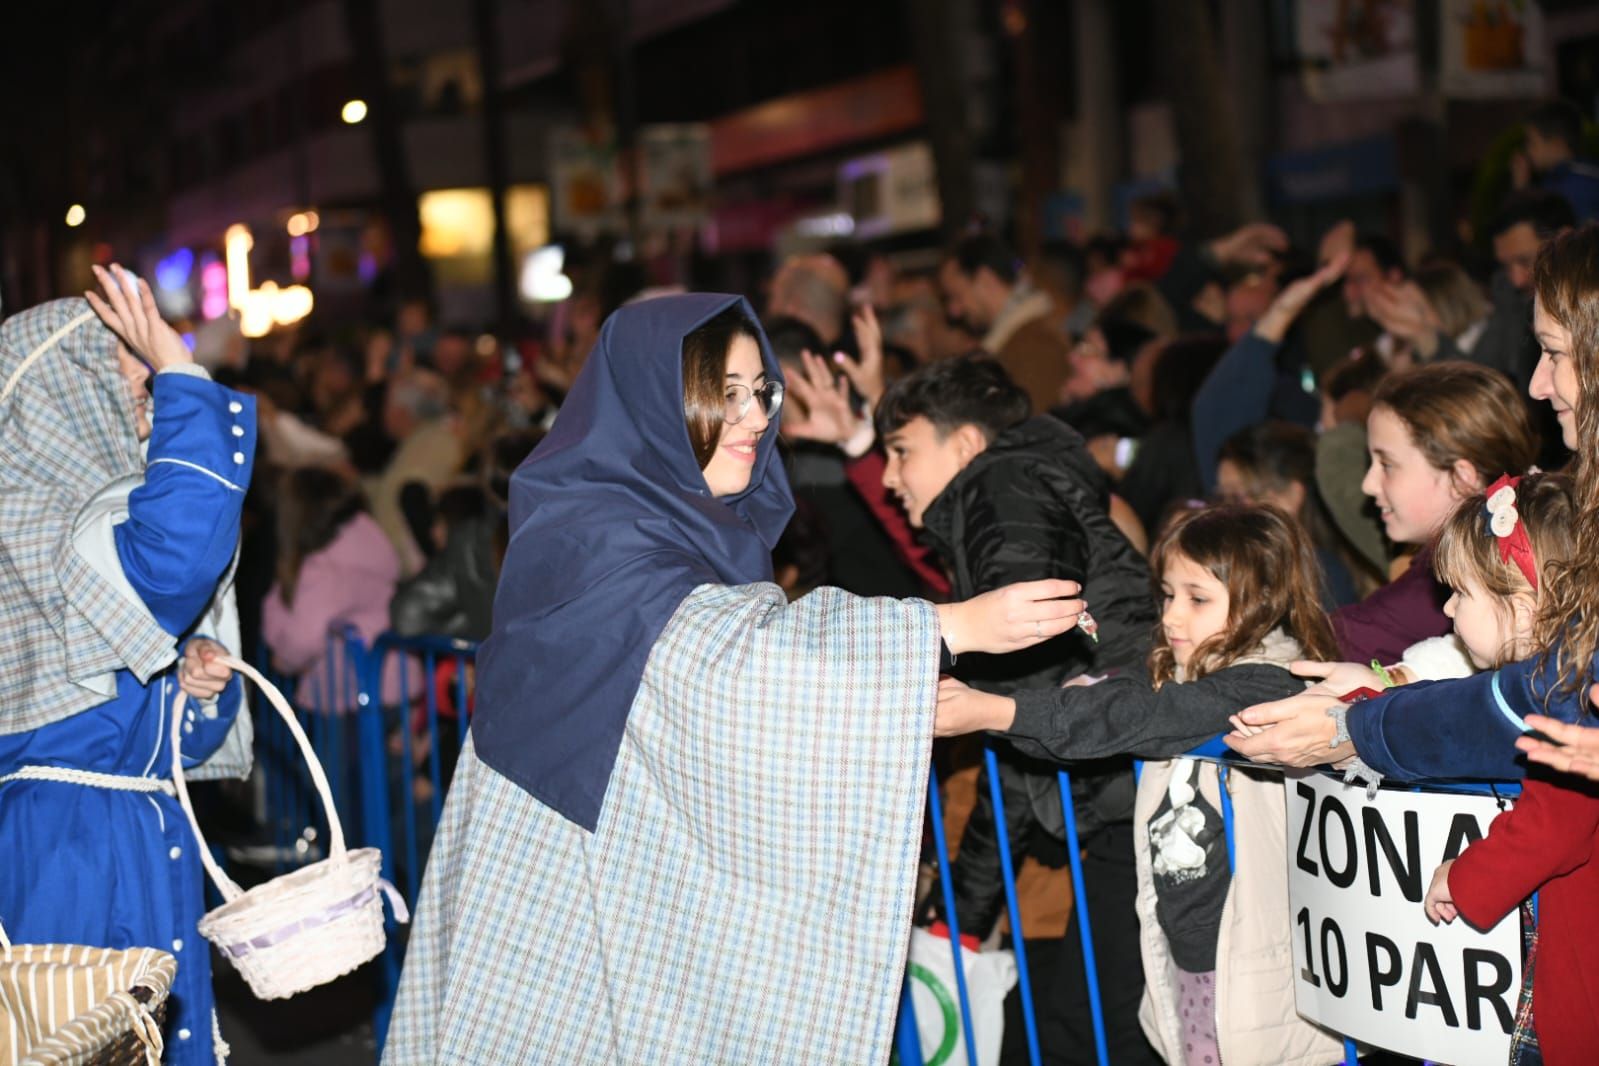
(91, 779)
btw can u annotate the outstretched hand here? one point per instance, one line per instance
(1571, 748)
(962, 709)
(128, 309)
(1012, 618)
(1296, 731)
(1336, 679)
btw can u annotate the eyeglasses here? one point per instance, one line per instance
(739, 398)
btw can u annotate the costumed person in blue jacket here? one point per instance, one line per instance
(120, 498)
(686, 823)
(1470, 728)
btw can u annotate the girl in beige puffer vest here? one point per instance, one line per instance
(1238, 591)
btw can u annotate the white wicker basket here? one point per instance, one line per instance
(305, 928)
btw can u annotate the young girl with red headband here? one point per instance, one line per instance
(1494, 553)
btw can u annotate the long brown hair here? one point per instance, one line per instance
(1266, 561)
(1456, 410)
(1565, 280)
(705, 379)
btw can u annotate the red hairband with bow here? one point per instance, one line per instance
(1504, 522)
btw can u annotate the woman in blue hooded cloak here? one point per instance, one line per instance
(686, 824)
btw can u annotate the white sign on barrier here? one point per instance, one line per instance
(1367, 962)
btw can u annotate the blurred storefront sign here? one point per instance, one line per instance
(586, 183)
(1490, 48)
(876, 106)
(889, 192)
(1357, 49)
(675, 175)
(748, 225)
(458, 229)
(1340, 171)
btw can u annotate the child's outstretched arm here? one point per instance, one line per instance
(1120, 715)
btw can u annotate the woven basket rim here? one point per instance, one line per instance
(317, 874)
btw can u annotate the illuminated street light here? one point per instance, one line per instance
(354, 111)
(75, 215)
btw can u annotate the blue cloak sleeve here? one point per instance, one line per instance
(1462, 729)
(183, 522)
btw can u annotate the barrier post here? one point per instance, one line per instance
(1085, 934)
(430, 679)
(1018, 937)
(941, 848)
(907, 1041)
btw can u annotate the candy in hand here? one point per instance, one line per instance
(1087, 624)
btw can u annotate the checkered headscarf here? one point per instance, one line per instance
(66, 434)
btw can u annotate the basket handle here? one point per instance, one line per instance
(231, 891)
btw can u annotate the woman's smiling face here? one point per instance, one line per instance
(733, 463)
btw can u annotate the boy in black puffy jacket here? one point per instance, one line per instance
(1002, 497)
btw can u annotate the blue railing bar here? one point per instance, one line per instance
(1085, 933)
(941, 847)
(413, 876)
(1018, 938)
(430, 679)
(907, 1041)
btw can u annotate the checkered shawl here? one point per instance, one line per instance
(66, 434)
(746, 895)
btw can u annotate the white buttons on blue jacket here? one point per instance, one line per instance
(175, 854)
(235, 407)
(238, 458)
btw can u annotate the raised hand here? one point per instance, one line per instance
(1294, 298)
(1339, 240)
(128, 309)
(867, 374)
(1012, 618)
(829, 416)
(1253, 244)
(1402, 308)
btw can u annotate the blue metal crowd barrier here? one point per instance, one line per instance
(351, 727)
(907, 1044)
(381, 719)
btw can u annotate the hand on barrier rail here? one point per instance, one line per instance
(1012, 618)
(1296, 731)
(1439, 904)
(1335, 679)
(962, 709)
(201, 673)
